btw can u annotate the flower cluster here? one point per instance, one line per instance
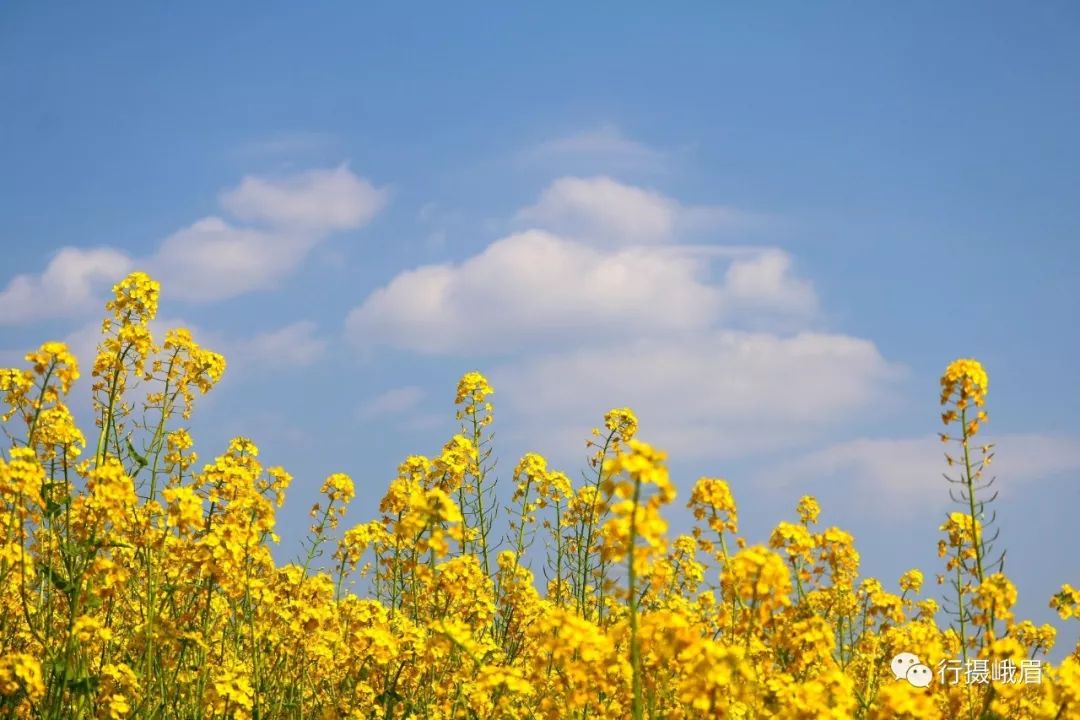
(136, 583)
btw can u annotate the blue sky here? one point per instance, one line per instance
(766, 231)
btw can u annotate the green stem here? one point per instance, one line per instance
(107, 418)
(585, 539)
(637, 709)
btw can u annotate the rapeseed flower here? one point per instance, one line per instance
(139, 582)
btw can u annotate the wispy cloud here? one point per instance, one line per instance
(602, 146)
(602, 210)
(714, 394)
(286, 146)
(286, 219)
(392, 402)
(440, 222)
(316, 201)
(905, 474)
(67, 286)
(278, 222)
(291, 346)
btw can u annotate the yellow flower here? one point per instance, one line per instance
(758, 578)
(711, 498)
(135, 298)
(55, 429)
(55, 359)
(230, 691)
(338, 488)
(472, 393)
(145, 587)
(459, 458)
(622, 422)
(21, 673)
(964, 381)
(187, 368)
(88, 628)
(185, 509)
(16, 385)
(21, 477)
(995, 597)
(911, 581)
(1066, 602)
(809, 510)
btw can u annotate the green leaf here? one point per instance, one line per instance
(53, 508)
(140, 460)
(86, 685)
(59, 668)
(59, 582)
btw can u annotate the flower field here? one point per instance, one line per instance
(136, 577)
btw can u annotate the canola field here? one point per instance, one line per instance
(137, 581)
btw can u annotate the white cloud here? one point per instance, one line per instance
(318, 201)
(69, 285)
(294, 345)
(392, 402)
(674, 330)
(603, 211)
(604, 144)
(905, 474)
(538, 287)
(718, 394)
(535, 287)
(765, 282)
(213, 258)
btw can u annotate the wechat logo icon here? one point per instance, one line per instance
(907, 666)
